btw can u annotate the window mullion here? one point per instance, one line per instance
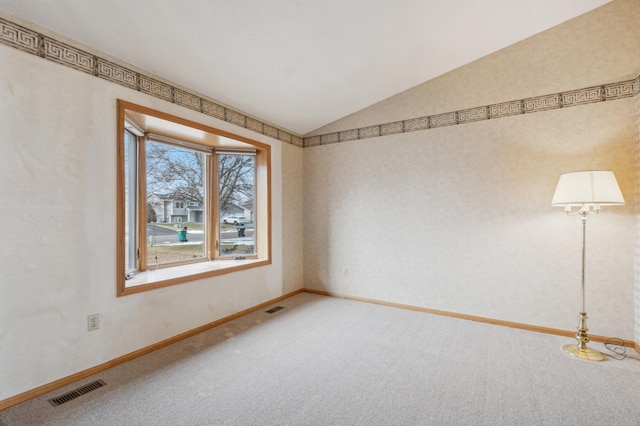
(214, 214)
(256, 226)
(142, 205)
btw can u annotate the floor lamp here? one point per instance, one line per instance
(588, 191)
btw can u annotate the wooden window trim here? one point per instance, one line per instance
(149, 280)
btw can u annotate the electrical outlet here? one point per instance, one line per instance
(345, 272)
(93, 322)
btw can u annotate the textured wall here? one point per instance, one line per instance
(292, 215)
(454, 218)
(458, 218)
(637, 230)
(57, 256)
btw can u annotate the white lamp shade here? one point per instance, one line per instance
(587, 188)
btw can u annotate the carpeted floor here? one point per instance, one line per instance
(329, 361)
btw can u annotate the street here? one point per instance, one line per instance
(163, 235)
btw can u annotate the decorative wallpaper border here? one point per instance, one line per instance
(27, 40)
(605, 92)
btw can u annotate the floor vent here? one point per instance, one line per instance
(275, 309)
(76, 393)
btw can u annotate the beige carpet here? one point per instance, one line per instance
(328, 361)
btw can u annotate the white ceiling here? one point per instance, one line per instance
(299, 64)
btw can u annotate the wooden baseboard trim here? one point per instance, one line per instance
(521, 326)
(41, 390)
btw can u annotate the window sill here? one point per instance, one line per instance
(163, 277)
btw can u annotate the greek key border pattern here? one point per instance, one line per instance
(19, 37)
(588, 95)
(27, 40)
(70, 56)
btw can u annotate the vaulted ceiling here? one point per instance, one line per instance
(299, 64)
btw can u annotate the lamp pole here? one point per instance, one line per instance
(583, 219)
(581, 350)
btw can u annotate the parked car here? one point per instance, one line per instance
(232, 219)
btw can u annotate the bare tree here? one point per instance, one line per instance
(151, 214)
(236, 174)
(177, 173)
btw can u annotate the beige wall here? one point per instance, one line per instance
(458, 218)
(637, 224)
(455, 218)
(292, 218)
(57, 256)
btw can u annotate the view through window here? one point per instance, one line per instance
(176, 195)
(236, 176)
(188, 194)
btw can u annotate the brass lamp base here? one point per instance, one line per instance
(586, 353)
(581, 350)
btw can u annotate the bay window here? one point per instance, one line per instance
(193, 201)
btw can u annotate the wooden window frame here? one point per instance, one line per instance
(216, 264)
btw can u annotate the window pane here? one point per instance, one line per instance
(175, 204)
(130, 200)
(237, 204)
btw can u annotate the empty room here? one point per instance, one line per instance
(406, 212)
